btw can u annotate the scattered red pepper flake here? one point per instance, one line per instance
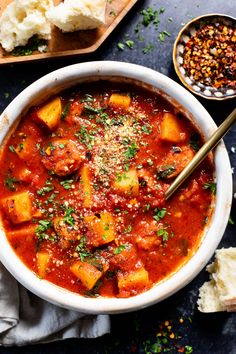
(210, 56)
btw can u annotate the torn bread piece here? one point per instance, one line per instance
(73, 15)
(21, 20)
(220, 293)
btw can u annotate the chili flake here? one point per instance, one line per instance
(210, 56)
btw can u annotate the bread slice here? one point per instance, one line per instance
(219, 294)
(73, 15)
(21, 20)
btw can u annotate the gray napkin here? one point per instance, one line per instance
(27, 319)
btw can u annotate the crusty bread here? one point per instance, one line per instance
(21, 20)
(219, 294)
(73, 15)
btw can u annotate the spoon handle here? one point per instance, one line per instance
(202, 153)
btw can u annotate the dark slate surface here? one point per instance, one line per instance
(136, 332)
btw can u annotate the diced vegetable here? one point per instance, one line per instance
(133, 281)
(65, 232)
(18, 207)
(24, 148)
(171, 129)
(42, 260)
(87, 273)
(120, 100)
(127, 182)
(50, 113)
(86, 186)
(103, 228)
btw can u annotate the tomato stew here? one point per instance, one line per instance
(82, 183)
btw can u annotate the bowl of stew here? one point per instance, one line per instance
(87, 153)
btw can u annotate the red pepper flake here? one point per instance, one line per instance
(210, 56)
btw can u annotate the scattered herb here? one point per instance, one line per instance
(230, 222)
(195, 142)
(67, 183)
(130, 44)
(68, 218)
(163, 35)
(211, 186)
(149, 48)
(33, 44)
(12, 149)
(164, 234)
(65, 111)
(131, 151)
(128, 229)
(159, 213)
(120, 46)
(9, 182)
(119, 249)
(43, 226)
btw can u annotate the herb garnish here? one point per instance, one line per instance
(44, 225)
(68, 218)
(165, 171)
(9, 182)
(211, 186)
(81, 249)
(67, 183)
(119, 249)
(159, 213)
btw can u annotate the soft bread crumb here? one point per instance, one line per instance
(219, 294)
(73, 15)
(21, 20)
(209, 298)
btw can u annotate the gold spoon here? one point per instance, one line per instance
(202, 153)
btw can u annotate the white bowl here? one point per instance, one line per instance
(179, 96)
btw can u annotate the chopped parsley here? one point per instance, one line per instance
(128, 229)
(119, 249)
(164, 234)
(43, 227)
(67, 183)
(33, 44)
(163, 35)
(47, 188)
(211, 186)
(81, 249)
(194, 142)
(120, 46)
(131, 151)
(9, 182)
(12, 149)
(159, 213)
(230, 221)
(68, 218)
(65, 111)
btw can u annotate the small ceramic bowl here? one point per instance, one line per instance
(187, 33)
(185, 102)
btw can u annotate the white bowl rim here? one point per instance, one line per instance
(184, 275)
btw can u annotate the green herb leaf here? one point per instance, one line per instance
(120, 46)
(9, 182)
(230, 221)
(119, 249)
(211, 186)
(67, 183)
(159, 214)
(65, 111)
(43, 226)
(164, 234)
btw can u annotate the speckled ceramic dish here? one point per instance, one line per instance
(185, 35)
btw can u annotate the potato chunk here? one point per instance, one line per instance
(24, 233)
(42, 260)
(171, 129)
(87, 273)
(63, 157)
(132, 282)
(24, 148)
(127, 182)
(86, 186)
(103, 228)
(50, 113)
(119, 100)
(18, 207)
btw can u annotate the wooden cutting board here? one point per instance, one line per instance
(76, 43)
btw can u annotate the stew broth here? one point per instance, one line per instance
(82, 183)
